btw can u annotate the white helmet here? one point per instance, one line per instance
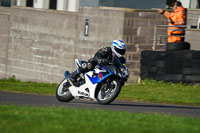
(119, 48)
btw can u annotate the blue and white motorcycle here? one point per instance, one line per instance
(103, 84)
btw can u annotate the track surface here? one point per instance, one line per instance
(133, 107)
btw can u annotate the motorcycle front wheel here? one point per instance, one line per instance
(62, 93)
(108, 91)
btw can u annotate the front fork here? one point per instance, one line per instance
(67, 74)
(67, 84)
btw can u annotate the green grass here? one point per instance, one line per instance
(162, 92)
(22, 119)
(14, 85)
(147, 91)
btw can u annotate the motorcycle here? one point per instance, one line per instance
(103, 84)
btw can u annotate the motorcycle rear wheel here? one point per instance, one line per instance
(62, 93)
(108, 91)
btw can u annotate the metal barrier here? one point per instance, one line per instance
(155, 37)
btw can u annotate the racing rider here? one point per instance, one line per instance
(103, 56)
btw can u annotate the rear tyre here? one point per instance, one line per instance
(108, 91)
(62, 93)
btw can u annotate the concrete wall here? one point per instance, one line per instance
(44, 43)
(105, 25)
(192, 36)
(138, 34)
(4, 39)
(193, 16)
(41, 44)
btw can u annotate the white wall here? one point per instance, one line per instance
(185, 3)
(189, 3)
(73, 5)
(21, 2)
(193, 4)
(41, 4)
(62, 5)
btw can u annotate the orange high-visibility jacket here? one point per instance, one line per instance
(178, 17)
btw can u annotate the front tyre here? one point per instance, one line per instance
(62, 93)
(108, 91)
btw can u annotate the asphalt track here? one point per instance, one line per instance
(133, 107)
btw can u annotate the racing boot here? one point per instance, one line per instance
(73, 78)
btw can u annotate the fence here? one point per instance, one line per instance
(156, 37)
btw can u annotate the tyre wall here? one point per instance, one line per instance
(173, 66)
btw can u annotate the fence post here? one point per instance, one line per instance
(154, 38)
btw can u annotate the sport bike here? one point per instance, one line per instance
(103, 84)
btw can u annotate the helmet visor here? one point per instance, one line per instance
(120, 51)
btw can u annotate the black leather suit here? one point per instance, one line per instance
(102, 57)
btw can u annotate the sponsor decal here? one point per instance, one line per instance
(83, 93)
(100, 76)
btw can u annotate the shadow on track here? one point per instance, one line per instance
(154, 105)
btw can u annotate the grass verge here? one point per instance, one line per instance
(13, 85)
(22, 119)
(146, 91)
(162, 92)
